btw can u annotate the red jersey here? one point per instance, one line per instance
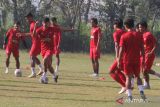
(95, 34)
(13, 39)
(149, 41)
(45, 34)
(35, 39)
(57, 34)
(117, 35)
(132, 43)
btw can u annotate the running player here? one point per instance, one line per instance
(11, 45)
(149, 46)
(130, 41)
(35, 48)
(95, 46)
(45, 33)
(116, 73)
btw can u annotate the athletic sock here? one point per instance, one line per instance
(33, 70)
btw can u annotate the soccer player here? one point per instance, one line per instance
(114, 71)
(11, 45)
(149, 46)
(45, 33)
(130, 41)
(57, 40)
(95, 46)
(35, 48)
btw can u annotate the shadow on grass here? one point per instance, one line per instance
(62, 99)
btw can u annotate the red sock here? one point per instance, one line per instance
(117, 79)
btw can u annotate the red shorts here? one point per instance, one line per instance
(46, 53)
(132, 69)
(114, 66)
(13, 50)
(94, 54)
(35, 50)
(149, 62)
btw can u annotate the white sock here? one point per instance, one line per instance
(40, 67)
(54, 75)
(57, 68)
(33, 70)
(44, 74)
(140, 87)
(129, 92)
(144, 82)
(132, 82)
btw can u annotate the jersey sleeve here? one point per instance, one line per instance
(115, 37)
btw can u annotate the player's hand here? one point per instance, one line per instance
(18, 34)
(47, 40)
(118, 64)
(149, 54)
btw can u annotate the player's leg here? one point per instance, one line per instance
(57, 63)
(51, 69)
(96, 66)
(7, 62)
(33, 74)
(37, 61)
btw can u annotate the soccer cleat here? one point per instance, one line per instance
(143, 95)
(130, 98)
(94, 75)
(40, 73)
(6, 71)
(56, 79)
(123, 89)
(146, 87)
(33, 75)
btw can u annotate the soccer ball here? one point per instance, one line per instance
(18, 73)
(43, 80)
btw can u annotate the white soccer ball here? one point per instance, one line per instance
(43, 80)
(18, 73)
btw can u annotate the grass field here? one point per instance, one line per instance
(74, 89)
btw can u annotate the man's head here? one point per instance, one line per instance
(16, 25)
(143, 26)
(46, 22)
(54, 20)
(29, 17)
(129, 23)
(94, 22)
(118, 23)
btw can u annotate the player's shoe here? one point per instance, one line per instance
(146, 87)
(130, 98)
(40, 73)
(33, 75)
(143, 95)
(94, 75)
(6, 71)
(123, 89)
(55, 79)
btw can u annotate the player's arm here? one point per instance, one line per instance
(34, 30)
(154, 47)
(116, 49)
(23, 34)
(99, 37)
(65, 29)
(120, 57)
(6, 36)
(59, 40)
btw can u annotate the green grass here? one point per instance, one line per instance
(74, 89)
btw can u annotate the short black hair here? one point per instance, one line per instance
(95, 20)
(54, 19)
(118, 22)
(46, 19)
(137, 25)
(17, 23)
(29, 15)
(129, 23)
(144, 24)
